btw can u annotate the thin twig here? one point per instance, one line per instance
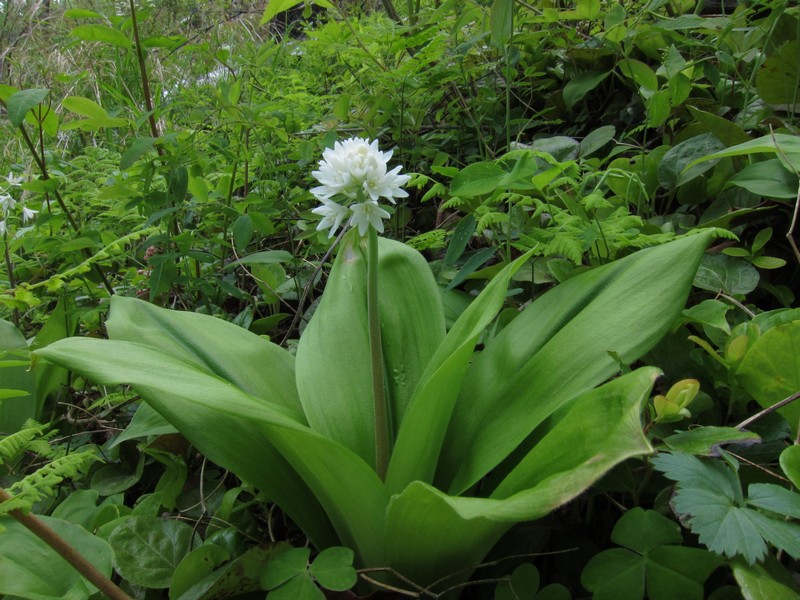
(744, 424)
(732, 300)
(66, 551)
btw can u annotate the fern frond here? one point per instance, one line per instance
(24, 440)
(43, 482)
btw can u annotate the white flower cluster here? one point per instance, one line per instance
(8, 203)
(353, 177)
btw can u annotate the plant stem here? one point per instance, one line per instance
(66, 551)
(11, 279)
(376, 358)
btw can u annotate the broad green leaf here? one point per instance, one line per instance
(477, 179)
(196, 400)
(298, 588)
(581, 84)
(706, 441)
(596, 139)
(558, 348)
(267, 257)
(333, 569)
(79, 507)
(778, 80)
(588, 9)
(84, 107)
(767, 178)
(333, 374)
(461, 237)
(770, 371)
(640, 73)
(501, 22)
(81, 13)
(710, 312)
(135, 150)
(145, 422)
(475, 262)
(731, 275)
(21, 102)
(466, 528)
(288, 564)
(790, 464)
(422, 432)
(659, 108)
(678, 166)
(774, 498)
(724, 129)
(147, 550)
(196, 565)
(103, 34)
(756, 583)
(20, 405)
(656, 562)
(787, 148)
(29, 568)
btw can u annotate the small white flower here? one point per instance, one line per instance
(366, 214)
(7, 203)
(3, 228)
(28, 214)
(14, 181)
(356, 169)
(332, 215)
(353, 177)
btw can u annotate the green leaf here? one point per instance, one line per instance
(466, 528)
(267, 257)
(501, 22)
(710, 312)
(786, 146)
(298, 588)
(710, 495)
(679, 165)
(596, 139)
(29, 568)
(767, 178)
(461, 237)
(770, 370)
(333, 375)
(148, 550)
(135, 150)
(778, 80)
(657, 562)
(195, 566)
(21, 102)
(775, 499)
(84, 107)
(477, 179)
(333, 569)
(103, 34)
(588, 9)
(558, 348)
(706, 441)
(640, 73)
(757, 583)
(475, 262)
(288, 564)
(242, 232)
(731, 275)
(20, 400)
(580, 85)
(790, 464)
(145, 422)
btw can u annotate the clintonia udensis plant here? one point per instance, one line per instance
(388, 433)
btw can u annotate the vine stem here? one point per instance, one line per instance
(66, 551)
(376, 358)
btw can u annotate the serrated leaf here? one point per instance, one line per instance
(775, 499)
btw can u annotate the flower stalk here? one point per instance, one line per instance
(376, 358)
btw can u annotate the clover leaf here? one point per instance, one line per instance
(651, 560)
(289, 576)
